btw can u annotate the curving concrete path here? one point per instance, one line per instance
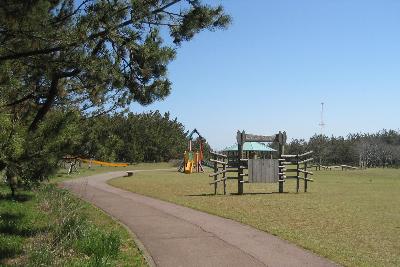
(178, 236)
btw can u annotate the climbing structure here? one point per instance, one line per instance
(193, 159)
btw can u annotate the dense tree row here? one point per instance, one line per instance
(146, 137)
(373, 150)
(134, 138)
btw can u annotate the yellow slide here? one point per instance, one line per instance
(108, 164)
(189, 167)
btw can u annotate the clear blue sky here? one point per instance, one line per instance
(279, 60)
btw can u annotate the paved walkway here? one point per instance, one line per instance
(178, 236)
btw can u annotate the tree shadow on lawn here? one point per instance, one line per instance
(16, 225)
(13, 224)
(203, 195)
(20, 197)
(7, 252)
(14, 229)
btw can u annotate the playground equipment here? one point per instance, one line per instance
(103, 163)
(73, 163)
(193, 159)
(261, 170)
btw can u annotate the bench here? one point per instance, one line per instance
(129, 173)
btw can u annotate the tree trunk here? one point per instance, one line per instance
(13, 183)
(51, 96)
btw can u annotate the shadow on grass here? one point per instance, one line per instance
(20, 197)
(204, 195)
(258, 193)
(14, 224)
(9, 252)
(15, 228)
(234, 194)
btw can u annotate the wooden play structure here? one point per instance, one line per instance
(261, 170)
(192, 160)
(71, 163)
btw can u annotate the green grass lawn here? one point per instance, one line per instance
(62, 174)
(29, 228)
(350, 217)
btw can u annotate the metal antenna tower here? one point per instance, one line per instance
(322, 124)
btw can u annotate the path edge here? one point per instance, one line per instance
(146, 255)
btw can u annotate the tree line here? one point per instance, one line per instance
(145, 137)
(381, 149)
(131, 138)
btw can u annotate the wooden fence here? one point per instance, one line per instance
(261, 170)
(295, 167)
(220, 168)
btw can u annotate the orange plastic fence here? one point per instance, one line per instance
(103, 163)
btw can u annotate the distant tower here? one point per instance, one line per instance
(322, 124)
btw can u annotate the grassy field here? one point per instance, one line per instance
(350, 217)
(95, 169)
(49, 226)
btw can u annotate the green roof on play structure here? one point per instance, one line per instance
(250, 146)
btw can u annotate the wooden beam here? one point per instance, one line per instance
(308, 172)
(307, 153)
(288, 156)
(217, 173)
(217, 181)
(218, 161)
(218, 154)
(307, 179)
(259, 138)
(306, 160)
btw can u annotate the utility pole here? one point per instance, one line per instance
(322, 124)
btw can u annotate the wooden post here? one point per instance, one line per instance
(305, 177)
(224, 177)
(281, 151)
(240, 155)
(215, 176)
(298, 174)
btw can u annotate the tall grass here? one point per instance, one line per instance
(71, 239)
(53, 228)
